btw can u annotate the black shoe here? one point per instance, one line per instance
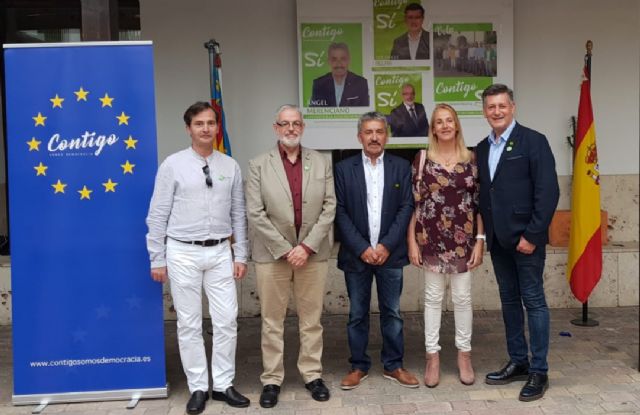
(318, 390)
(269, 396)
(232, 397)
(535, 387)
(196, 402)
(510, 373)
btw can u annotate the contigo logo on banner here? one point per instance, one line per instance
(64, 142)
(88, 141)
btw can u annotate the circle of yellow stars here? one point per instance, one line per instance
(59, 187)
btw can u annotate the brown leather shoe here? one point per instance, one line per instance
(353, 379)
(403, 377)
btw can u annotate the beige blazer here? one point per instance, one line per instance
(272, 231)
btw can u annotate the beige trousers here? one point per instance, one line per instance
(276, 280)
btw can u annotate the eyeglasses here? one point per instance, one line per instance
(287, 124)
(207, 177)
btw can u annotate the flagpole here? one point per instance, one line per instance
(214, 48)
(585, 321)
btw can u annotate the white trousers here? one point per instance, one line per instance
(434, 288)
(190, 268)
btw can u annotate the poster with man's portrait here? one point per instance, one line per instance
(332, 65)
(400, 33)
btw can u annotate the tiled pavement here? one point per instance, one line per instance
(595, 371)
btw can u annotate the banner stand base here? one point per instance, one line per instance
(39, 408)
(131, 395)
(133, 402)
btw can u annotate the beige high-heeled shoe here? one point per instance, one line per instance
(432, 370)
(467, 377)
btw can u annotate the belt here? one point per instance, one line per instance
(208, 242)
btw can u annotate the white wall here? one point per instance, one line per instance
(259, 66)
(260, 70)
(549, 48)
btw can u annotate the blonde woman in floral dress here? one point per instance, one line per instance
(446, 236)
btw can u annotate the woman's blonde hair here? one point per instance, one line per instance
(464, 155)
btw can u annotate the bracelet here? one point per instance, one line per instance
(481, 236)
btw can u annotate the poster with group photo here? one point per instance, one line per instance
(401, 58)
(465, 64)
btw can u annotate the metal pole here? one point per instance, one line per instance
(214, 48)
(585, 321)
(587, 59)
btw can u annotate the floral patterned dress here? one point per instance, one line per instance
(446, 208)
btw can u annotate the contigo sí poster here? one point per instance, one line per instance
(357, 56)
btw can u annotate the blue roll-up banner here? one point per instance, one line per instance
(81, 138)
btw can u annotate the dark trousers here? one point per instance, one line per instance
(389, 285)
(520, 281)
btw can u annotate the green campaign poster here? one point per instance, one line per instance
(460, 89)
(315, 39)
(388, 93)
(465, 63)
(388, 24)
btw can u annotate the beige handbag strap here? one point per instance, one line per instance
(423, 157)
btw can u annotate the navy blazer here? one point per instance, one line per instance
(524, 192)
(355, 93)
(402, 125)
(351, 211)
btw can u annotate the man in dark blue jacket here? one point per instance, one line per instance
(408, 119)
(340, 87)
(374, 206)
(518, 196)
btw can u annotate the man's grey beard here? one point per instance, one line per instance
(290, 142)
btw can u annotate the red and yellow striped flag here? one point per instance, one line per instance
(222, 139)
(585, 243)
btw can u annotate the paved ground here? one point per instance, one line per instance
(593, 371)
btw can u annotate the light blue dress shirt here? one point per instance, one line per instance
(496, 148)
(339, 90)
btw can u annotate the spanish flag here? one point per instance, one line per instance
(585, 243)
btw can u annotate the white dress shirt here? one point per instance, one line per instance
(413, 45)
(374, 178)
(339, 88)
(409, 108)
(184, 208)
